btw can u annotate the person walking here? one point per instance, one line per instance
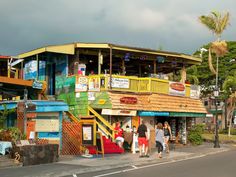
(159, 139)
(119, 135)
(143, 140)
(167, 135)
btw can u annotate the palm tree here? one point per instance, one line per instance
(217, 23)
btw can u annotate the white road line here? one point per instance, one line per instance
(147, 166)
(74, 175)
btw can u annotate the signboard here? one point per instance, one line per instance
(91, 96)
(195, 91)
(177, 89)
(47, 125)
(30, 70)
(119, 112)
(101, 101)
(87, 134)
(128, 100)
(94, 84)
(37, 84)
(81, 84)
(119, 83)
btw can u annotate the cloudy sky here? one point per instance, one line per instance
(170, 24)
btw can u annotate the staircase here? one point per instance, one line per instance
(111, 147)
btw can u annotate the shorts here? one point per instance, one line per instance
(142, 140)
(167, 138)
(121, 139)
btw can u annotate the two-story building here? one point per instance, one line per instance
(118, 83)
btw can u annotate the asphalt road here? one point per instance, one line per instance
(217, 165)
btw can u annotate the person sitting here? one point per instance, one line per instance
(119, 135)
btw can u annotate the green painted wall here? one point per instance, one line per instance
(65, 90)
(101, 96)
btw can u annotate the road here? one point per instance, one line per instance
(217, 165)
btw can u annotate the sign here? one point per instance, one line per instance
(176, 88)
(195, 91)
(87, 134)
(94, 84)
(128, 100)
(81, 84)
(119, 83)
(119, 112)
(101, 101)
(37, 84)
(91, 96)
(47, 125)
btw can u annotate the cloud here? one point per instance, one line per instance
(173, 24)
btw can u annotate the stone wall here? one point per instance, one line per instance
(37, 154)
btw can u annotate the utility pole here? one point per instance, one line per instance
(25, 109)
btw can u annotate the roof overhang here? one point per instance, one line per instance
(63, 49)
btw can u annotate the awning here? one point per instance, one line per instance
(186, 114)
(152, 113)
(119, 112)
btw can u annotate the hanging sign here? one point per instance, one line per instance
(176, 88)
(119, 83)
(94, 84)
(195, 91)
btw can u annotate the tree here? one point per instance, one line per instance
(4, 113)
(229, 87)
(217, 23)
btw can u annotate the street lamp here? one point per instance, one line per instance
(216, 142)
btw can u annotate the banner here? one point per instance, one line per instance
(81, 84)
(177, 89)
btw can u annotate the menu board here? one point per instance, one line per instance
(47, 125)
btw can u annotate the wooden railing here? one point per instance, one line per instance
(136, 84)
(103, 124)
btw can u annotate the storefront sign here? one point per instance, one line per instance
(119, 112)
(195, 91)
(119, 83)
(94, 84)
(128, 100)
(176, 88)
(81, 84)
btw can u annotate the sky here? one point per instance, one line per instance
(171, 25)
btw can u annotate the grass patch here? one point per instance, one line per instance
(222, 137)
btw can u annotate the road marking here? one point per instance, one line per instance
(147, 166)
(74, 175)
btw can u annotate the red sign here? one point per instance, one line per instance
(177, 86)
(128, 100)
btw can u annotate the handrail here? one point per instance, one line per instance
(71, 116)
(138, 84)
(104, 121)
(104, 129)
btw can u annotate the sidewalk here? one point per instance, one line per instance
(129, 159)
(69, 165)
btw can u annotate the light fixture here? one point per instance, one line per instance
(216, 92)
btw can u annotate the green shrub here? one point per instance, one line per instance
(195, 134)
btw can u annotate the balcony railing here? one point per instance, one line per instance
(133, 84)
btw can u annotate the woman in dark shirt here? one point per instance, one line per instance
(167, 135)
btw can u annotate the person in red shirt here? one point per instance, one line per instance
(119, 135)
